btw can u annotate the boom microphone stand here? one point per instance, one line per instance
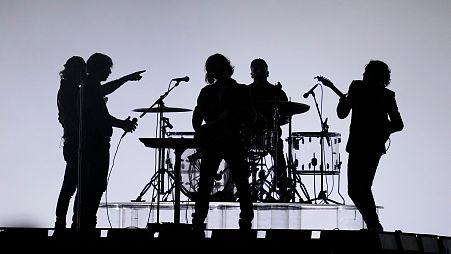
(159, 175)
(322, 195)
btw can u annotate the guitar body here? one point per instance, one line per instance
(218, 132)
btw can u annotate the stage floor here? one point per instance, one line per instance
(224, 215)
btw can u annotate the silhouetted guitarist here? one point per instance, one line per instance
(224, 106)
(375, 117)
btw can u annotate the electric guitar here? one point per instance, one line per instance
(385, 136)
(218, 130)
(331, 85)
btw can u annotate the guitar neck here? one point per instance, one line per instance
(338, 92)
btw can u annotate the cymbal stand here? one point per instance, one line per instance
(322, 195)
(158, 177)
(276, 168)
(257, 163)
(292, 171)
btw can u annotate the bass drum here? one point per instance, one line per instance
(191, 159)
(223, 188)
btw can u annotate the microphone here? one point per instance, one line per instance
(133, 120)
(186, 79)
(310, 91)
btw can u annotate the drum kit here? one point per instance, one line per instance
(258, 144)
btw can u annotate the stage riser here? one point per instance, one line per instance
(181, 237)
(224, 215)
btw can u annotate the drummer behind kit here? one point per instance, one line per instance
(263, 141)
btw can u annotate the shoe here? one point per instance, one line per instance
(284, 196)
(198, 230)
(244, 224)
(375, 228)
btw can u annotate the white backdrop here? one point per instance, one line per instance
(298, 39)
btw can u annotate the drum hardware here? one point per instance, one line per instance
(281, 112)
(291, 165)
(285, 110)
(261, 187)
(266, 190)
(157, 180)
(163, 108)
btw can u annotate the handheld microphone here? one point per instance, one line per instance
(133, 120)
(310, 91)
(186, 79)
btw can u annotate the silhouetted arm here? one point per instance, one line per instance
(343, 108)
(345, 102)
(396, 123)
(127, 124)
(67, 107)
(197, 117)
(112, 86)
(196, 120)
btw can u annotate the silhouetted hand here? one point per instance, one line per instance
(129, 125)
(134, 76)
(325, 81)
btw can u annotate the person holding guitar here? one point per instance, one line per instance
(375, 117)
(224, 106)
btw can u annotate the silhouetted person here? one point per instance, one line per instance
(261, 90)
(71, 78)
(224, 106)
(97, 129)
(375, 117)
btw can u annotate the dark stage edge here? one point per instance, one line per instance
(183, 238)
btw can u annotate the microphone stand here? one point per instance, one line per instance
(324, 134)
(78, 198)
(159, 175)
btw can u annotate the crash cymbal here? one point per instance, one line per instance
(164, 109)
(287, 108)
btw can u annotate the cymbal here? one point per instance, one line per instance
(287, 108)
(164, 109)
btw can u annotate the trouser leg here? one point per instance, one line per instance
(361, 173)
(208, 168)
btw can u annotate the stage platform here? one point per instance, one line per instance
(298, 227)
(170, 237)
(224, 215)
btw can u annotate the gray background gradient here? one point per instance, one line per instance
(298, 39)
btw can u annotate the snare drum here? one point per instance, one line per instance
(307, 152)
(260, 141)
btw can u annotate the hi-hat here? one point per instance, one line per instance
(163, 109)
(287, 108)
